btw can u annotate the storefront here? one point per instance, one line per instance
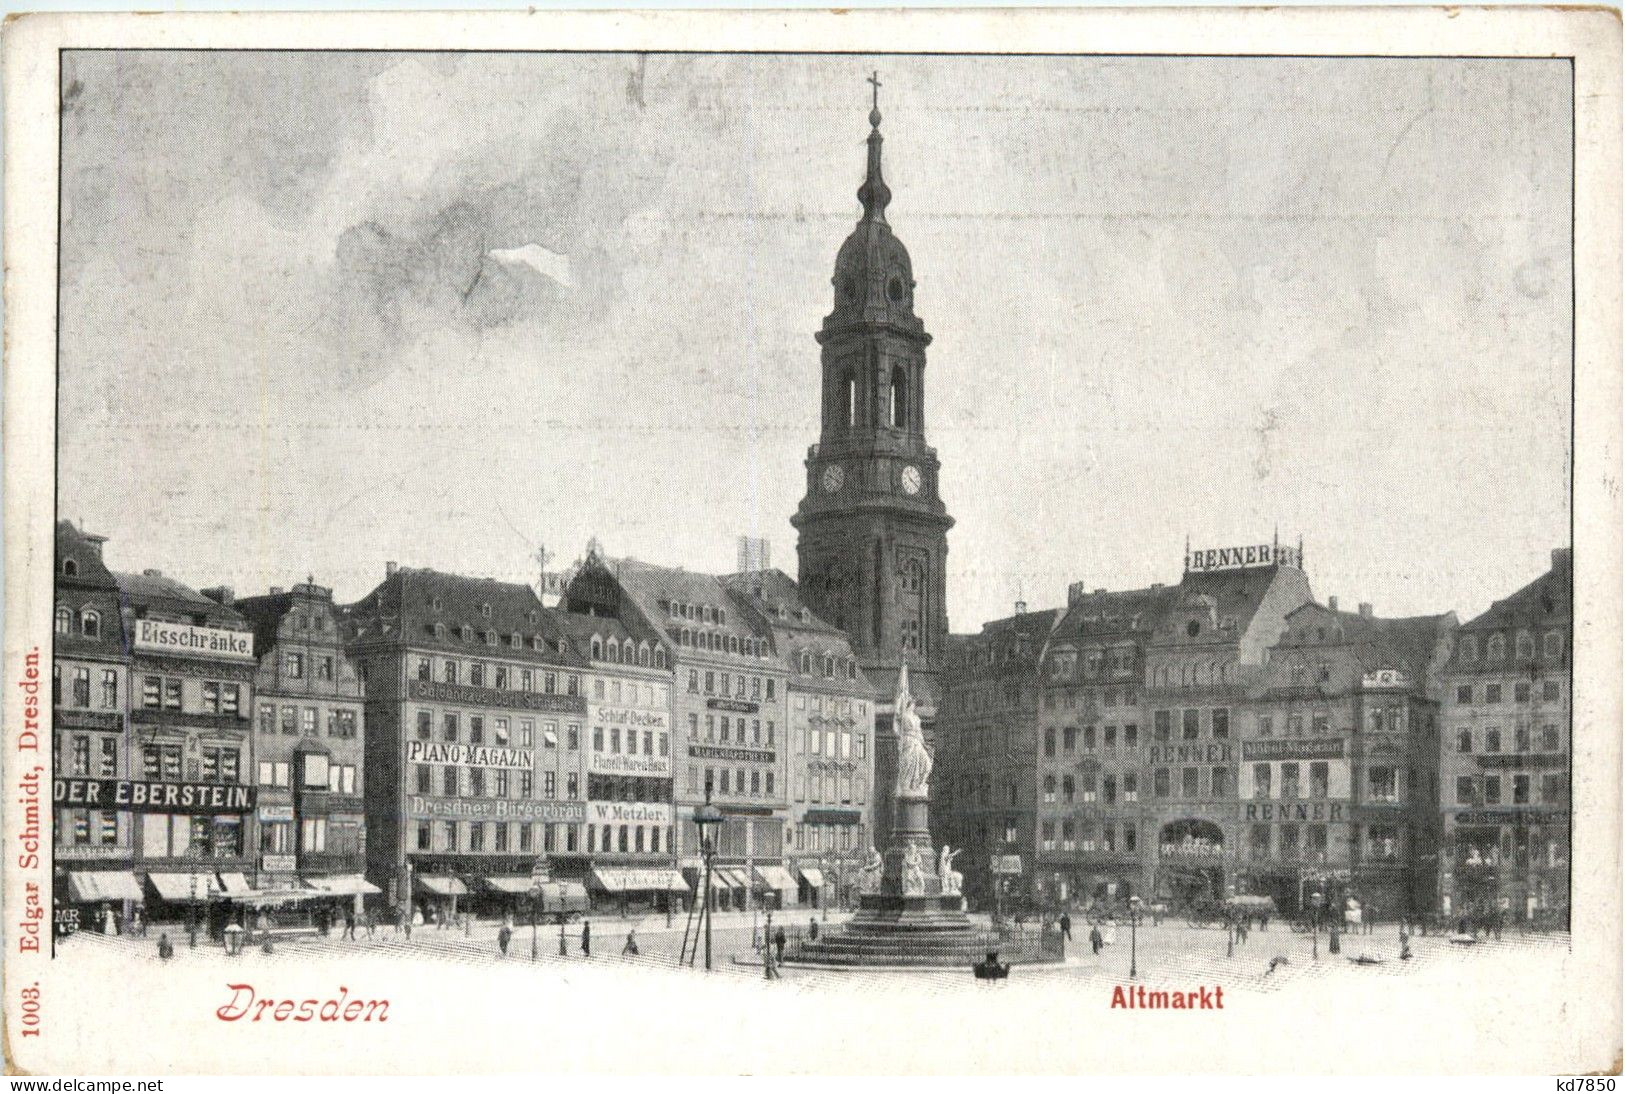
(811, 890)
(93, 896)
(626, 889)
(772, 885)
(1190, 862)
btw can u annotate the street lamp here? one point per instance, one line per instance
(1316, 900)
(1133, 936)
(704, 818)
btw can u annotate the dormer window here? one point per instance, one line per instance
(515, 640)
(64, 621)
(434, 604)
(597, 648)
(485, 611)
(90, 624)
(490, 638)
(466, 633)
(70, 567)
(440, 631)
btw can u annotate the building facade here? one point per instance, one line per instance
(1505, 753)
(872, 528)
(475, 754)
(309, 744)
(1338, 761)
(830, 712)
(1205, 654)
(985, 778)
(630, 855)
(90, 691)
(1092, 843)
(191, 743)
(728, 717)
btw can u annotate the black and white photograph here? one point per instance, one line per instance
(762, 533)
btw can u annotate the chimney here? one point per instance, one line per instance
(389, 569)
(1331, 602)
(152, 573)
(1562, 557)
(1365, 610)
(221, 594)
(1021, 607)
(1074, 593)
(1100, 592)
(277, 590)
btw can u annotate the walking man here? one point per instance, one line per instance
(586, 938)
(504, 935)
(349, 924)
(779, 941)
(631, 947)
(1095, 940)
(1066, 926)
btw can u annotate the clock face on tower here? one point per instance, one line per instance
(910, 478)
(834, 475)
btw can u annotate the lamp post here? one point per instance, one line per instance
(1133, 937)
(535, 901)
(704, 818)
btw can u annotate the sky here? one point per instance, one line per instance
(321, 311)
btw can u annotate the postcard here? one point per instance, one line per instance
(886, 543)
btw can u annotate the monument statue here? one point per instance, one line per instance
(951, 878)
(913, 758)
(913, 871)
(869, 876)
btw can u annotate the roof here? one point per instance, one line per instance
(86, 553)
(653, 588)
(1407, 643)
(1547, 599)
(1236, 593)
(409, 603)
(151, 591)
(1103, 613)
(265, 613)
(766, 591)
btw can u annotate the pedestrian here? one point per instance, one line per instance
(349, 924)
(138, 925)
(165, 950)
(368, 922)
(778, 942)
(770, 968)
(408, 916)
(1108, 937)
(586, 938)
(109, 921)
(1095, 939)
(1404, 945)
(631, 947)
(1066, 926)
(812, 929)
(1370, 917)
(504, 936)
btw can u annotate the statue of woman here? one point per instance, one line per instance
(913, 758)
(951, 878)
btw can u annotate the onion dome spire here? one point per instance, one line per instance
(874, 193)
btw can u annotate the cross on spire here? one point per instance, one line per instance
(873, 81)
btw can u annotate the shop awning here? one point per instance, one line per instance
(508, 884)
(441, 886)
(344, 885)
(234, 883)
(638, 879)
(259, 897)
(812, 875)
(181, 886)
(722, 878)
(88, 887)
(774, 877)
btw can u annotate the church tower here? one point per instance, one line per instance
(872, 530)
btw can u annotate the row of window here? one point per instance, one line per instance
(1109, 698)
(496, 782)
(80, 690)
(294, 665)
(502, 733)
(1551, 739)
(1516, 846)
(832, 706)
(726, 728)
(613, 651)
(306, 721)
(758, 785)
(1551, 691)
(1489, 789)
(1115, 661)
(216, 763)
(1105, 791)
(319, 774)
(716, 683)
(168, 693)
(1088, 837)
(500, 837)
(718, 642)
(629, 692)
(502, 677)
(649, 739)
(807, 662)
(833, 787)
(276, 837)
(1495, 647)
(87, 621)
(829, 837)
(833, 744)
(90, 756)
(1107, 738)
(492, 638)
